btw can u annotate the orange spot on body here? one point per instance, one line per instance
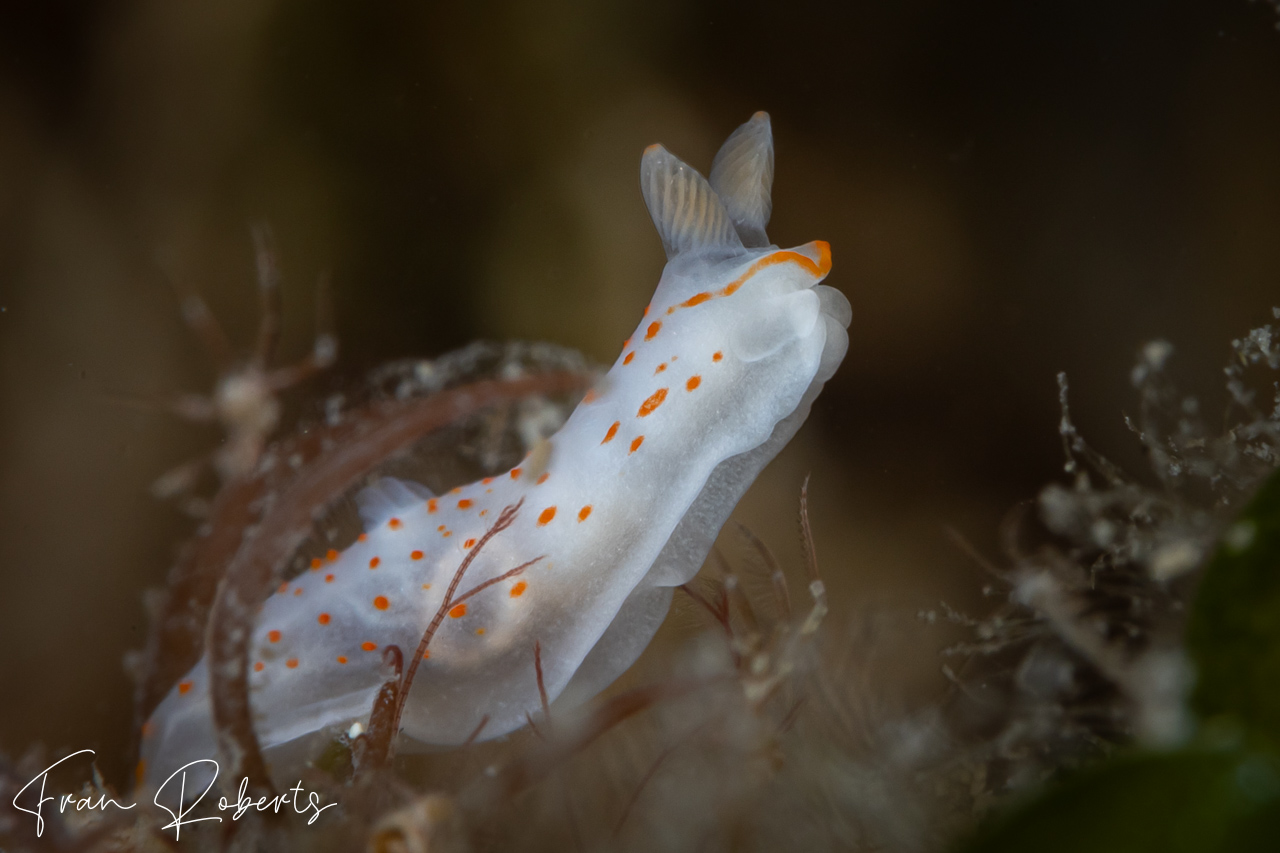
(363, 537)
(273, 636)
(415, 555)
(546, 515)
(518, 589)
(694, 382)
(717, 356)
(368, 646)
(635, 445)
(426, 586)
(323, 618)
(613, 430)
(464, 504)
(381, 602)
(426, 655)
(470, 543)
(480, 631)
(542, 478)
(316, 562)
(432, 505)
(456, 490)
(284, 587)
(183, 687)
(696, 299)
(331, 555)
(394, 524)
(297, 591)
(328, 578)
(654, 328)
(646, 310)
(259, 666)
(342, 658)
(659, 368)
(630, 356)
(447, 534)
(515, 473)
(292, 663)
(591, 396)
(584, 512)
(375, 562)
(458, 611)
(650, 405)
(486, 481)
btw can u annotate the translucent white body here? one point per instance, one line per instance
(717, 377)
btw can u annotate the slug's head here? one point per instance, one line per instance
(725, 286)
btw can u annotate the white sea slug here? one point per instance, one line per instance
(733, 348)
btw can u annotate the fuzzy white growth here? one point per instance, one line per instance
(622, 504)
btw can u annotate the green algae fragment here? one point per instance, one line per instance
(1193, 801)
(1233, 634)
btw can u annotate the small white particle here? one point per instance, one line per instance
(1103, 532)
(1173, 560)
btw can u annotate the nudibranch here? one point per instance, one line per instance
(622, 504)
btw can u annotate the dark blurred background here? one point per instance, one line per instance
(1010, 190)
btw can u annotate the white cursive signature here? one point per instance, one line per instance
(81, 803)
(182, 796)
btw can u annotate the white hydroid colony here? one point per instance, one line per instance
(735, 345)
